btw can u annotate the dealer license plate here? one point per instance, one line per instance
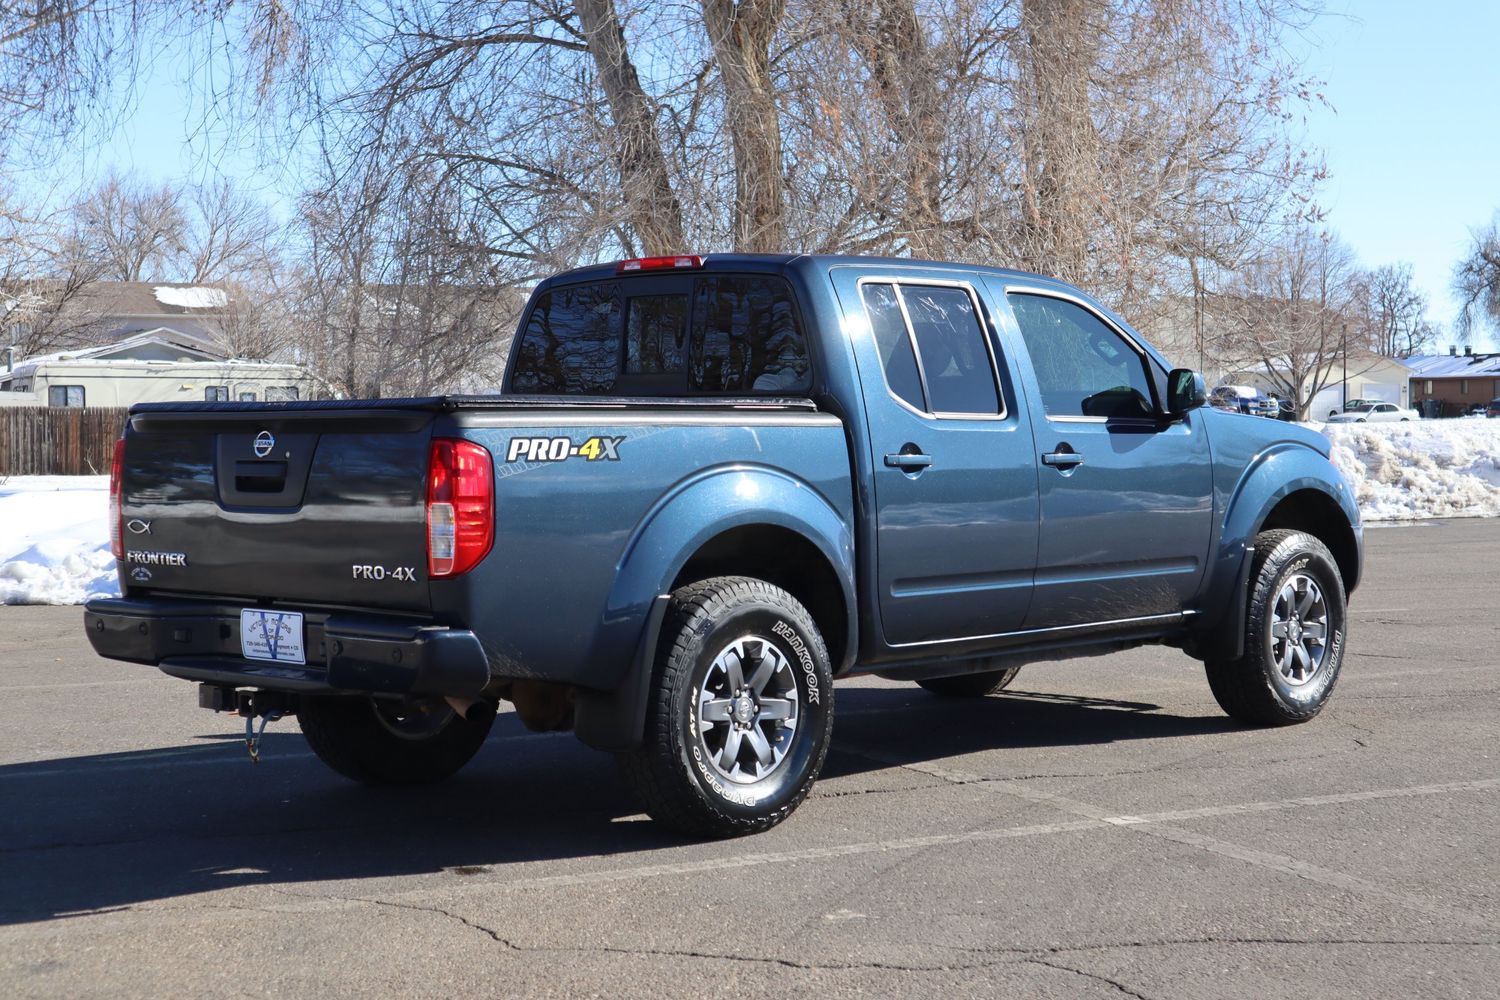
(272, 635)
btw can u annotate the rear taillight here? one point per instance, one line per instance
(460, 506)
(116, 508)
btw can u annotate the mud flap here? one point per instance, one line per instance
(615, 720)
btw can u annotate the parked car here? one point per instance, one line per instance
(1374, 413)
(1353, 404)
(1245, 399)
(1493, 409)
(711, 487)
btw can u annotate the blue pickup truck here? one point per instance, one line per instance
(712, 487)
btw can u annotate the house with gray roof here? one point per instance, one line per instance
(1449, 385)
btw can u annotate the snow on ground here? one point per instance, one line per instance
(1421, 469)
(54, 540)
(54, 530)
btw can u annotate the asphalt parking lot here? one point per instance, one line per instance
(1100, 831)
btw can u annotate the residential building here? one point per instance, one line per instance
(1452, 383)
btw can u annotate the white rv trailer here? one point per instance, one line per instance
(151, 368)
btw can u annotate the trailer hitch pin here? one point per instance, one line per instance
(252, 738)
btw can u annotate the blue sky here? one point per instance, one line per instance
(1411, 135)
(1412, 139)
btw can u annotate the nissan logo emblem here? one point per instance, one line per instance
(264, 442)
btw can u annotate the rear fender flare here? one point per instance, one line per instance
(695, 511)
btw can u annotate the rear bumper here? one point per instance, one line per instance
(200, 641)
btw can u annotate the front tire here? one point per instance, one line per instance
(740, 712)
(976, 685)
(381, 743)
(1294, 634)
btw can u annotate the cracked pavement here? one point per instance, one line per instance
(1099, 831)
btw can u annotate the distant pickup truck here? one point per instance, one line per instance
(1245, 399)
(711, 487)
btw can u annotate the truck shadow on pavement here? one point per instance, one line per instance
(86, 834)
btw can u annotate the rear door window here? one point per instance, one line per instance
(950, 342)
(893, 341)
(933, 348)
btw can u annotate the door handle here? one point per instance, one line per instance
(908, 461)
(1062, 459)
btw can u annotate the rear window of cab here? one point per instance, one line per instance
(706, 334)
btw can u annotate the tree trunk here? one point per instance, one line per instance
(741, 34)
(905, 78)
(651, 206)
(1061, 149)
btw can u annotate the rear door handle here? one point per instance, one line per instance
(1062, 459)
(908, 461)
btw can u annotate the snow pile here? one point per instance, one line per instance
(1425, 468)
(54, 540)
(192, 297)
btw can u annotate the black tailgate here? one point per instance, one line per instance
(322, 503)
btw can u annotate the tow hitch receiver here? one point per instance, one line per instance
(267, 706)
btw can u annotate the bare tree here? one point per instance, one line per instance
(741, 32)
(129, 230)
(42, 283)
(1059, 140)
(650, 204)
(1476, 279)
(1390, 313)
(1286, 314)
(396, 295)
(229, 237)
(1139, 147)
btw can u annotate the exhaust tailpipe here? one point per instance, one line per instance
(470, 710)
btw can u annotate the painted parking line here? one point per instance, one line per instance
(1161, 825)
(1102, 821)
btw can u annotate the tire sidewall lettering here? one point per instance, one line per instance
(804, 659)
(784, 783)
(1314, 693)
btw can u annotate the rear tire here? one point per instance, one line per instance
(740, 712)
(976, 685)
(390, 744)
(1294, 634)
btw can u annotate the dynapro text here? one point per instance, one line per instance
(556, 449)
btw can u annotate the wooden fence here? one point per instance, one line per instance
(58, 441)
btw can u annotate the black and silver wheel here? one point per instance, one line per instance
(740, 712)
(1294, 634)
(388, 742)
(974, 685)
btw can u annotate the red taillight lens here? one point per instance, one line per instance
(460, 506)
(686, 262)
(116, 507)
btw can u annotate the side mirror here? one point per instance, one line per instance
(1185, 391)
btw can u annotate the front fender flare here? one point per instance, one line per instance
(1270, 478)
